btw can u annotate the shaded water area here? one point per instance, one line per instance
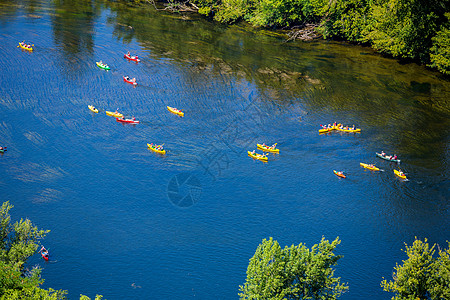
(131, 224)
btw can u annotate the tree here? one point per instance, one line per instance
(18, 241)
(421, 276)
(404, 28)
(440, 51)
(294, 272)
(441, 280)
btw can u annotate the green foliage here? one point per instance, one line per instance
(345, 19)
(441, 281)
(272, 13)
(404, 28)
(294, 272)
(440, 51)
(18, 241)
(421, 276)
(97, 297)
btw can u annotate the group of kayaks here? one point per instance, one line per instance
(263, 156)
(128, 56)
(338, 127)
(119, 117)
(372, 167)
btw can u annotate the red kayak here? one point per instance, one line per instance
(131, 121)
(128, 80)
(133, 58)
(44, 253)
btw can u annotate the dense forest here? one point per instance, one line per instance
(412, 30)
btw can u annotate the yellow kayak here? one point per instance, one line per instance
(326, 130)
(348, 129)
(268, 148)
(175, 111)
(92, 108)
(370, 167)
(22, 45)
(333, 127)
(400, 174)
(114, 114)
(153, 148)
(257, 156)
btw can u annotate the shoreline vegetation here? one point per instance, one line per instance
(408, 30)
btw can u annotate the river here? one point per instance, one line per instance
(128, 223)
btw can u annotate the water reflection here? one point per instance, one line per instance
(73, 29)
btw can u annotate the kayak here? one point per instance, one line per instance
(44, 256)
(339, 174)
(257, 156)
(387, 157)
(367, 166)
(103, 66)
(130, 121)
(267, 148)
(348, 130)
(133, 58)
(3, 150)
(93, 109)
(114, 114)
(402, 176)
(326, 130)
(22, 45)
(153, 148)
(333, 127)
(175, 111)
(128, 80)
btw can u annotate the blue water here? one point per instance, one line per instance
(131, 224)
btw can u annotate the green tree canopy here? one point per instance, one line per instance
(294, 272)
(18, 241)
(421, 276)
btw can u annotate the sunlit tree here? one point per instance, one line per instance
(294, 272)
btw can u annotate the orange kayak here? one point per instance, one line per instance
(340, 174)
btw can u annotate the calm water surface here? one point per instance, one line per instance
(130, 224)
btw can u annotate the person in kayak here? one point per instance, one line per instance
(394, 157)
(133, 80)
(253, 152)
(128, 53)
(382, 153)
(44, 252)
(273, 146)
